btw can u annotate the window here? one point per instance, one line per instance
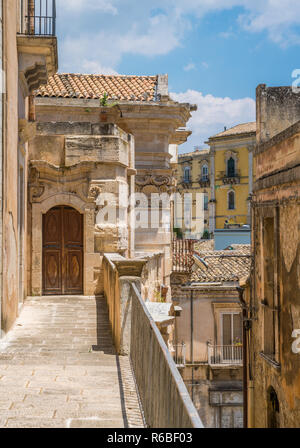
(231, 167)
(204, 172)
(231, 200)
(268, 299)
(205, 202)
(231, 328)
(187, 174)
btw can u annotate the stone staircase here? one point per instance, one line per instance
(59, 368)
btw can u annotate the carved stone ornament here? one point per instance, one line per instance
(149, 183)
(94, 192)
(36, 188)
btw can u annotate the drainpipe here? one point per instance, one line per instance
(192, 342)
(245, 358)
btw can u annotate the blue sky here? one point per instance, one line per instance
(215, 51)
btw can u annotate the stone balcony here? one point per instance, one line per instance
(165, 400)
(37, 43)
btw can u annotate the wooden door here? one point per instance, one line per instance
(62, 251)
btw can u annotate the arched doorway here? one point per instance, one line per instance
(62, 251)
(273, 409)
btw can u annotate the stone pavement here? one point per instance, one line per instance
(58, 368)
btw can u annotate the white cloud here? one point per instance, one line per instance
(205, 65)
(88, 5)
(157, 28)
(94, 68)
(189, 67)
(214, 113)
(106, 48)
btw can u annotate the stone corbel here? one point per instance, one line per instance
(27, 131)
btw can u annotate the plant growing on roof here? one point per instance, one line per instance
(104, 101)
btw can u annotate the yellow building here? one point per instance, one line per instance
(231, 172)
(192, 175)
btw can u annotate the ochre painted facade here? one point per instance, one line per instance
(193, 177)
(232, 174)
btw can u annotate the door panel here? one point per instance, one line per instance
(52, 271)
(62, 251)
(74, 270)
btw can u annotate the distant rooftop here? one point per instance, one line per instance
(244, 128)
(223, 265)
(197, 152)
(117, 87)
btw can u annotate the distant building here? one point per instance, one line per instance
(272, 316)
(193, 176)
(231, 176)
(210, 327)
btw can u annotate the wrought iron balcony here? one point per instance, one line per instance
(204, 181)
(178, 353)
(231, 179)
(39, 18)
(186, 181)
(225, 354)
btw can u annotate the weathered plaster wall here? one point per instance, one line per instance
(10, 169)
(277, 108)
(276, 280)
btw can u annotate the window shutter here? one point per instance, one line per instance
(237, 328)
(227, 329)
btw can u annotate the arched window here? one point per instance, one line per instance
(187, 174)
(231, 167)
(204, 172)
(231, 200)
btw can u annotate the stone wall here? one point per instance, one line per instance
(84, 166)
(135, 333)
(273, 300)
(277, 108)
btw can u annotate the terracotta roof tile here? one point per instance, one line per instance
(243, 128)
(221, 266)
(124, 88)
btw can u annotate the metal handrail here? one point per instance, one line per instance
(40, 19)
(225, 354)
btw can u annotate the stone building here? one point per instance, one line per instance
(192, 175)
(210, 327)
(29, 56)
(86, 160)
(231, 174)
(272, 310)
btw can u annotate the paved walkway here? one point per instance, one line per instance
(58, 368)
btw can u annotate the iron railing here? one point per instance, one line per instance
(39, 18)
(183, 255)
(178, 353)
(225, 354)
